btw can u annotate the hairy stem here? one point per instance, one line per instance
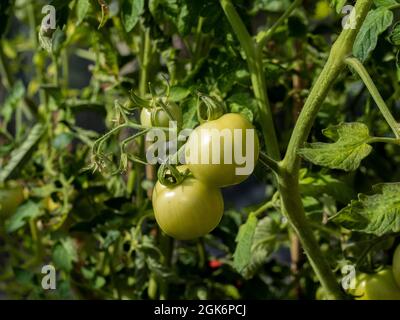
(288, 181)
(288, 177)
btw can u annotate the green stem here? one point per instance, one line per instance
(384, 140)
(197, 42)
(369, 83)
(288, 180)
(255, 64)
(34, 37)
(265, 35)
(36, 239)
(113, 271)
(5, 70)
(269, 162)
(269, 204)
(56, 71)
(394, 6)
(65, 68)
(144, 61)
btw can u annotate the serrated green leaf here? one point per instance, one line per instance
(376, 214)
(376, 22)
(130, 13)
(20, 154)
(244, 239)
(346, 153)
(24, 213)
(265, 241)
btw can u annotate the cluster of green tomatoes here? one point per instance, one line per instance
(190, 204)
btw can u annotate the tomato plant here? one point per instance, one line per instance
(309, 200)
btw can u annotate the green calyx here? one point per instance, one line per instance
(209, 108)
(169, 175)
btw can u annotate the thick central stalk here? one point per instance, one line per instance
(288, 183)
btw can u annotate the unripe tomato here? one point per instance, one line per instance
(10, 199)
(378, 286)
(161, 117)
(208, 143)
(188, 210)
(396, 265)
(322, 10)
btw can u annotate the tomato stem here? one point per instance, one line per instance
(369, 83)
(269, 162)
(255, 64)
(288, 181)
(263, 36)
(384, 140)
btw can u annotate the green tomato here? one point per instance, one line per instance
(161, 117)
(188, 210)
(208, 143)
(10, 199)
(322, 10)
(378, 286)
(396, 265)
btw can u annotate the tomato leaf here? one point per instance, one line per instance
(376, 214)
(319, 183)
(244, 239)
(177, 93)
(25, 212)
(64, 254)
(22, 153)
(82, 8)
(13, 99)
(350, 147)
(376, 22)
(130, 13)
(264, 243)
